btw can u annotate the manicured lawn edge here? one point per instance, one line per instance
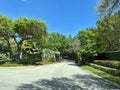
(108, 63)
(112, 71)
(102, 74)
(20, 65)
(45, 63)
(12, 65)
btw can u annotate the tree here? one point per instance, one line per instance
(89, 43)
(26, 29)
(109, 31)
(107, 7)
(5, 32)
(57, 42)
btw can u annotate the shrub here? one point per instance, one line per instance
(113, 55)
(30, 59)
(4, 57)
(49, 55)
(2, 61)
(112, 71)
(108, 63)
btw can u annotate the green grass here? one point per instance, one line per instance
(102, 74)
(44, 63)
(11, 65)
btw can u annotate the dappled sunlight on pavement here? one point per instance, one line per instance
(60, 76)
(78, 82)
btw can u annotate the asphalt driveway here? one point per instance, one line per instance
(60, 76)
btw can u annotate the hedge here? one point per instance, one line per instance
(108, 63)
(2, 61)
(112, 71)
(113, 55)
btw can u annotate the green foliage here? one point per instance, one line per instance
(49, 55)
(107, 7)
(112, 71)
(57, 42)
(5, 33)
(2, 62)
(108, 63)
(4, 57)
(29, 29)
(89, 44)
(113, 55)
(108, 32)
(30, 59)
(102, 74)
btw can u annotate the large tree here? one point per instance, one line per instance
(107, 7)
(109, 31)
(26, 29)
(5, 33)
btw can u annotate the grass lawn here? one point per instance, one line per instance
(44, 63)
(11, 65)
(16, 65)
(102, 74)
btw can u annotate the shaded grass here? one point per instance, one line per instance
(9, 64)
(102, 74)
(44, 63)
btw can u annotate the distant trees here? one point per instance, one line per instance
(57, 42)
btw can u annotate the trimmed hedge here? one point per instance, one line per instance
(2, 61)
(108, 63)
(113, 55)
(112, 71)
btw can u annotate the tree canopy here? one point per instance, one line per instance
(107, 7)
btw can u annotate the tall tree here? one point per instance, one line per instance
(107, 7)
(26, 29)
(109, 31)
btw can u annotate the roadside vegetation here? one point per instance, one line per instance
(25, 41)
(102, 74)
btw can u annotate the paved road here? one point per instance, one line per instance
(61, 76)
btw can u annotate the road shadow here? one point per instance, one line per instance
(77, 82)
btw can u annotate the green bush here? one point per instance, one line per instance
(109, 56)
(3, 57)
(2, 61)
(112, 71)
(108, 63)
(30, 59)
(49, 55)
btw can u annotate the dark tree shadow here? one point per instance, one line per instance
(72, 64)
(77, 82)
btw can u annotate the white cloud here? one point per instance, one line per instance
(24, 0)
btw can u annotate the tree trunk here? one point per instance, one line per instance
(19, 47)
(9, 49)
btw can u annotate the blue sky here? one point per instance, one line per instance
(64, 16)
